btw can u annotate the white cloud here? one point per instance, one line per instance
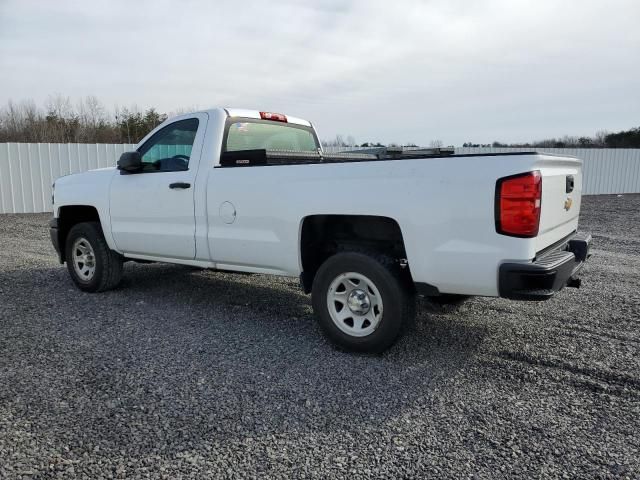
(390, 71)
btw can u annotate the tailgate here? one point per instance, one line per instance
(561, 195)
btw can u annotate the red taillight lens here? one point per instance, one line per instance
(518, 200)
(275, 117)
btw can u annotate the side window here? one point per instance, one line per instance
(169, 150)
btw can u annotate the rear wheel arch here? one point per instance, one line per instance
(322, 236)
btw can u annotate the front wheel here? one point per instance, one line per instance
(93, 266)
(361, 301)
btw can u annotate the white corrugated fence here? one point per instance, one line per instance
(605, 170)
(27, 170)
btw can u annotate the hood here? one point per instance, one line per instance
(83, 177)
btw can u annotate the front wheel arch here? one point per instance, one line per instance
(68, 217)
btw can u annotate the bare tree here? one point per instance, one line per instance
(183, 110)
(336, 142)
(600, 138)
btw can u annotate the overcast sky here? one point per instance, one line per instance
(389, 71)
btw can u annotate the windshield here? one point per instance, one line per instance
(250, 134)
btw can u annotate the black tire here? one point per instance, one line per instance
(395, 290)
(108, 264)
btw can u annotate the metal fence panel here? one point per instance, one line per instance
(6, 180)
(27, 170)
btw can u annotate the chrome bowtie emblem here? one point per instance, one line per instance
(567, 204)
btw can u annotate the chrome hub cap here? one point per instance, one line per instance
(358, 302)
(84, 260)
(355, 304)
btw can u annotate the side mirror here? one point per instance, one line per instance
(130, 162)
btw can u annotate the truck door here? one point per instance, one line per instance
(152, 211)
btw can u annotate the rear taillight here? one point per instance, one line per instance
(517, 207)
(274, 117)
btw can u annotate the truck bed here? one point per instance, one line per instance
(443, 204)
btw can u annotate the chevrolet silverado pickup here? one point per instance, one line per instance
(249, 191)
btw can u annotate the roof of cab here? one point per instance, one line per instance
(243, 113)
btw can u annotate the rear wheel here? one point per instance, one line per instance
(361, 301)
(93, 266)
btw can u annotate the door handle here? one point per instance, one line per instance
(180, 185)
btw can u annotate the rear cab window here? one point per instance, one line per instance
(253, 134)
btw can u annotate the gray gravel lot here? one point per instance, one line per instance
(194, 374)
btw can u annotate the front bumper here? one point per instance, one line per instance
(542, 278)
(55, 238)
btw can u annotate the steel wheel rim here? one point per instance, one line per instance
(84, 259)
(352, 312)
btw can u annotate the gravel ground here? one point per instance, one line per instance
(196, 374)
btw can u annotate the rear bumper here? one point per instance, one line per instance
(55, 238)
(542, 278)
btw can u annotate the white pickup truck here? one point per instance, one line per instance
(250, 191)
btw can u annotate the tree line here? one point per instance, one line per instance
(88, 121)
(602, 139)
